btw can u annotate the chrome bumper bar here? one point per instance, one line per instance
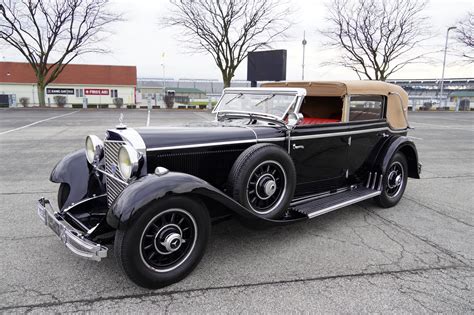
(71, 237)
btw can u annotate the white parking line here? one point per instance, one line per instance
(415, 138)
(434, 126)
(37, 122)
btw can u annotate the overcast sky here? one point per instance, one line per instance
(140, 41)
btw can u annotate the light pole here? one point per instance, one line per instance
(304, 42)
(163, 70)
(444, 64)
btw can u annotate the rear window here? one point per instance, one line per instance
(366, 107)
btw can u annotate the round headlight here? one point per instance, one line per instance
(92, 142)
(128, 161)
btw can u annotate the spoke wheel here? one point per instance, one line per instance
(263, 180)
(266, 186)
(394, 179)
(168, 239)
(163, 241)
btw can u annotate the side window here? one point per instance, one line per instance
(79, 92)
(366, 107)
(113, 93)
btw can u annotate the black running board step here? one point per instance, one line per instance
(333, 202)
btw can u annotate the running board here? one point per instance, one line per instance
(333, 202)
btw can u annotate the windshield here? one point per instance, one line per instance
(265, 103)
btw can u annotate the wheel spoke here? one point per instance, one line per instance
(150, 257)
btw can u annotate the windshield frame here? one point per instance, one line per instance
(298, 94)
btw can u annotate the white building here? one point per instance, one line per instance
(94, 85)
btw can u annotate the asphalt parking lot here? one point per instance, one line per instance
(416, 257)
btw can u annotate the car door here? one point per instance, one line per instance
(366, 119)
(320, 156)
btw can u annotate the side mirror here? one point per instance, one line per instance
(294, 119)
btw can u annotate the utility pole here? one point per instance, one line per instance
(304, 42)
(163, 69)
(444, 65)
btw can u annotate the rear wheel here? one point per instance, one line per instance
(394, 182)
(165, 242)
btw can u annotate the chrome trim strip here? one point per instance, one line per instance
(322, 135)
(336, 134)
(301, 200)
(112, 176)
(82, 201)
(343, 204)
(271, 139)
(259, 90)
(200, 145)
(253, 131)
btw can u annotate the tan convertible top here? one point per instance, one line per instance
(394, 94)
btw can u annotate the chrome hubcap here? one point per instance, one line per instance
(395, 179)
(270, 188)
(266, 187)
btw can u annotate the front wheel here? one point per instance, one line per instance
(394, 182)
(165, 243)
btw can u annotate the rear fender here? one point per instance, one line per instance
(404, 145)
(150, 188)
(75, 171)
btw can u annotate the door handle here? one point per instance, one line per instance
(297, 147)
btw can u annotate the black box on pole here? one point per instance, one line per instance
(269, 65)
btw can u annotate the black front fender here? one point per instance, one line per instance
(75, 171)
(150, 188)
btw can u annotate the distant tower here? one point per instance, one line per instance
(304, 42)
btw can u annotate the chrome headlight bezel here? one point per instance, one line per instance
(128, 159)
(94, 146)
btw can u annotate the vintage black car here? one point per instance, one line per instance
(277, 154)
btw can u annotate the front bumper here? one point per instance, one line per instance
(71, 237)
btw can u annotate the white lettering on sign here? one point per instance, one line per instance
(96, 91)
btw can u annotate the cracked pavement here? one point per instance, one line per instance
(414, 258)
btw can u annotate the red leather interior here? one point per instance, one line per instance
(315, 121)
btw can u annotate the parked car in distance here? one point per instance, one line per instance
(281, 153)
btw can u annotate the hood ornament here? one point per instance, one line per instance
(121, 125)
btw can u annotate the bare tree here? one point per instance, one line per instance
(377, 38)
(465, 35)
(52, 33)
(229, 29)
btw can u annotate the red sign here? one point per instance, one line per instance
(96, 91)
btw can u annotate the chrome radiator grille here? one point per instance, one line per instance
(113, 186)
